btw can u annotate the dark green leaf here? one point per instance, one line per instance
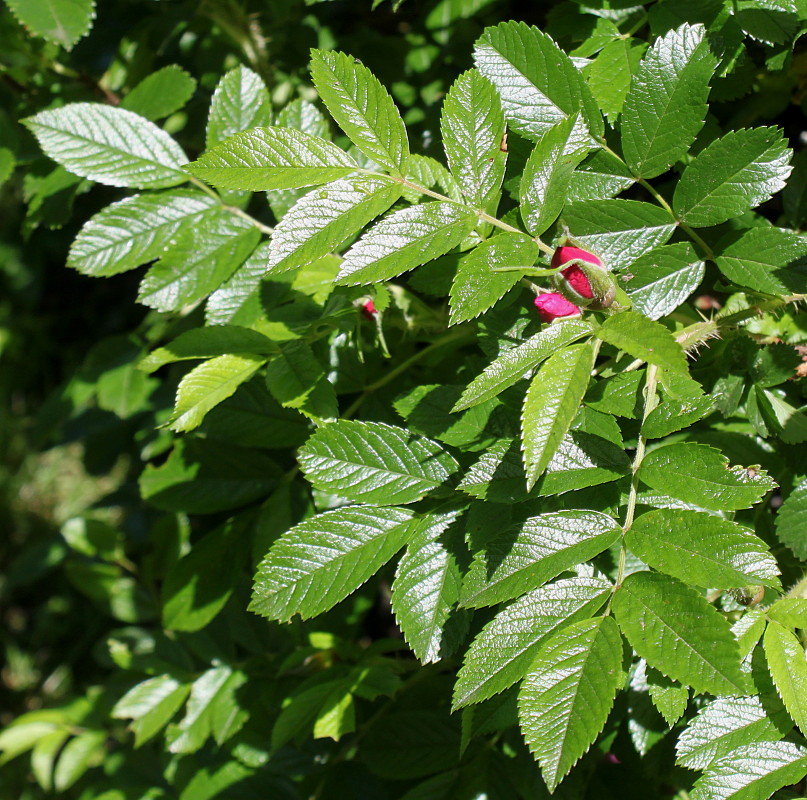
(161, 93)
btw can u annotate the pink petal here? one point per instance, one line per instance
(553, 305)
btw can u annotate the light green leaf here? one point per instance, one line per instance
(528, 555)
(733, 174)
(642, 338)
(78, 755)
(61, 21)
(538, 83)
(325, 558)
(25, 732)
(675, 415)
(43, 757)
(699, 474)
(790, 612)
(109, 145)
(337, 716)
(601, 176)
(669, 698)
(547, 174)
(362, 108)
(472, 124)
(702, 550)
(296, 379)
(550, 406)
(663, 279)
(197, 262)
(151, 705)
(241, 101)
(238, 300)
(476, 287)
(206, 385)
(502, 652)
(726, 723)
(787, 663)
(516, 363)
(678, 632)
(609, 76)
(568, 693)
(325, 217)
(618, 231)
(752, 772)
(136, 230)
(429, 173)
(666, 105)
(426, 589)
(404, 240)
(304, 116)
(161, 93)
(374, 462)
(272, 158)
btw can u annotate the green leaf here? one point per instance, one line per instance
(304, 116)
(679, 633)
(618, 231)
(476, 287)
(77, 756)
(324, 218)
(568, 693)
(136, 230)
(239, 300)
(787, 663)
(404, 240)
(770, 21)
(374, 462)
(528, 555)
(618, 395)
(642, 338)
(151, 705)
(768, 260)
(538, 83)
(675, 415)
(426, 589)
(109, 145)
(63, 22)
(702, 550)
(296, 379)
(669, 698)
(325, 558)
(272, 158)
(752, 772)
(699, 474)
(241, 101)
(726, 723)
(362, 108)
(733, 174)
(503, 650)
(472, 124)
(161, 93)
(550, 406)
(609, 77)
(789, 611)
(601, 176)
(197, 262)
(663, 279)
(666, 105)
(547, 175)
(43, 757)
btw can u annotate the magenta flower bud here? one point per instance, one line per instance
(553, 305)
(368, 309)
(576, 278)
(566, 254)
(586, 280)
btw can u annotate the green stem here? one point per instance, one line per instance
(232, 209)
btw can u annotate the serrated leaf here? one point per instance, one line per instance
(678, 632)
(663, 279)
(207, 385)
(296, 379)
(538, 83)
(731, 175)
(325, 558)
(325, 217)
(768, 260)
(618, 231)
(109, 145)
(528, 555)
(699, 474)
(550, 406)
(472, 124)
(476, 287)
(404, 240)
(726, 723)
(568, 693)
(374, 462)
(429, 173)
(669, 698)
(241, 101)
(701, 549)
(787, 663)
(61, 21)
(362, 108)
(642, 338)
(666, 105)
(151, 705)
(601, 176)
(789, 611)
(752, 772)
(503, 650)
(547, 175)
(427, 587)
(161, 93)
(272, 158)
(609, 76)
(618, 395)
(675, 415)
(238, 301)
(136, 230)
(770, 21)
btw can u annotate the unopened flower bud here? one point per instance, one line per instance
(552, 306)
(368, 309)
(585, 281)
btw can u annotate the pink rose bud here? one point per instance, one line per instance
(586, 280)
(553, 305)
(368, 309)
(563, 255)
(577, 279)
